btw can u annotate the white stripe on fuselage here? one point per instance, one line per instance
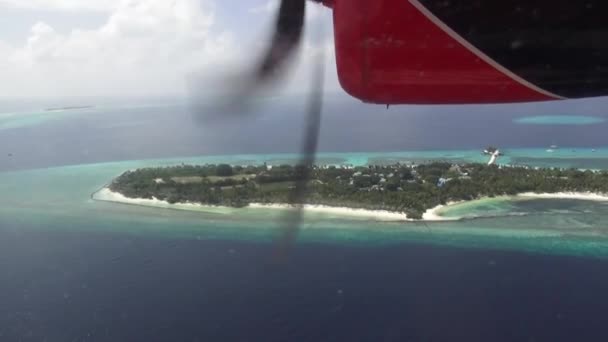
(478, 52)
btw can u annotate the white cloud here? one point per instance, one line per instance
(63, 5)
(145, 46)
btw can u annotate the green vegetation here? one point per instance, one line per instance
(400, 188)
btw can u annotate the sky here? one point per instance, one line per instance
(59, 48)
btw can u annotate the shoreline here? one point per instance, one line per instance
(434, 214)
(379, 215)
(430, 215)
(583, 196)
(106, 195)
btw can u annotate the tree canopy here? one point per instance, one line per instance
(399, 188)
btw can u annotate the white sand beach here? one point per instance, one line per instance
(108, 195)
(433, 214)
(586, 196)
(380, 215)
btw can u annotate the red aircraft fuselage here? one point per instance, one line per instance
(467, 51)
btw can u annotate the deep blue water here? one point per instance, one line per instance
(67, 283)
(69, 286)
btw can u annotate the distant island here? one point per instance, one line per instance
(67, 108)
(408, 190)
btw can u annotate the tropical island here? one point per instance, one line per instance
(411, 190)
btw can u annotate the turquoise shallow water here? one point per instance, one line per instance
(59, 198)
(13, 120)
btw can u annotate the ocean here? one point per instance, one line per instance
(74, 269)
